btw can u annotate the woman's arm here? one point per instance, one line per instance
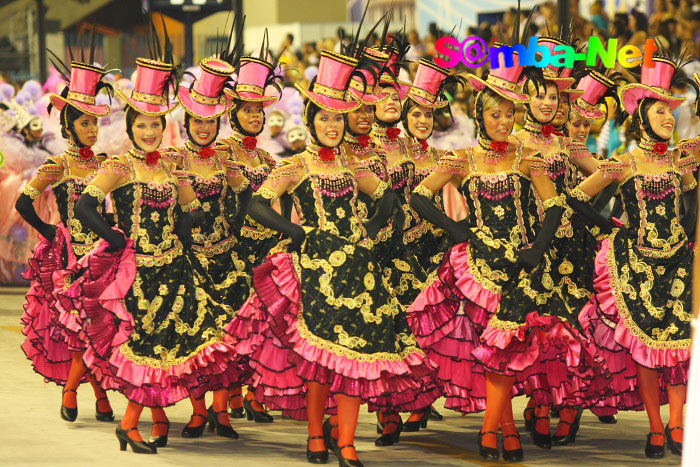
(47, 174)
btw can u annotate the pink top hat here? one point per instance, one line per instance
(367, 92)
(205, 97)
(149, 94)
(559, 75)
(82, 90)
(328, 92)
(426, 84)
(250, 86)
(392, 64)
(504, 81)
(655, 83)
(593, 86)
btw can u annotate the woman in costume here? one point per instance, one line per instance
(154, 327)
(643, 271)
(53, 341)
(332, 326)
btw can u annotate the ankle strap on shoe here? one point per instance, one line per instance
(198, 415)
(162, 422)
(315, 437)
(72, 390)
(340, 448)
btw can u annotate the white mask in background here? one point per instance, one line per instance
(36, 124)
(275, 120)
(296, 134)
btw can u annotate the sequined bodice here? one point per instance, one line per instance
(256, 175)
(563, 174)
(401, 175)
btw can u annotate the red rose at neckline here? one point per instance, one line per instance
(206, 153)
(326, 154)
(364, 140)
(423, 145)
(152, 158)
(547, 130)
(393, 133)
(558, 133)
(250, 142)
(499, 146)
(86, 153)
(660, 148)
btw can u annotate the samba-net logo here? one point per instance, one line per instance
(473, 53)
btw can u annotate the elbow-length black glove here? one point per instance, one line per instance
(427, 210)
(25, 208)
(286, 205)
(688, 221)
(588, 215)
(386, 207)
(528, 258)
(86, 211)
(261, 211)
(242, 203)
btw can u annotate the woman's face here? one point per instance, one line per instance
(251, 116)
(579, 127)
(562, 114)
(203, 130)
(85, 130)
(360, 121)
(148, 132)
(499, 120)
(420, 121)
(390, 110)
(661, 119)
(330, 127)
(544, 103)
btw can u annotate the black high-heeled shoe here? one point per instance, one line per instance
(345, 462)
(316, 457)
(226, 431)
(675, 446)
(542, 440)
(392, 438)
(411, 427)
(487, 452)
(259, 416)
(194, 431)
(654, 451)
(380, 425)
(103, 416)
(162, 440)
(236, 413)
(67, 413)
(573, 429)
(435, 415)
(138, 447)
(607, 419)
(513, 455)
(528, 419)
(331, 442)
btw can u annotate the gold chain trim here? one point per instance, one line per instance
(580, 195)
(502, 83)
(329, 92)
(423, 191)
(554, 201)
(357, 85)
(191, 206)
(95, 191)
(418, 92)
(689, 186)
(242, 187)
(202, 99)
(30, 191)
(147, 98)
(80, 97)
(379, 191)
(249, 88)
(267, 194)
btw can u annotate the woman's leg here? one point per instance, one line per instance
(648, 382)
(498, 390)
(348, 411)
(131, 420)
(316, 398)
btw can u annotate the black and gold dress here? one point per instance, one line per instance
(328, 315)
(154, 325)
(643, 283)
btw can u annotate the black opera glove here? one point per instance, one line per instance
(588, 215)
(530, 257)
(421, 202)
(386, 208)
(261, 211)
(86, 211)
(25, 207)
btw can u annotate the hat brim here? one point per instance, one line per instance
(589, 114)
(368, 99)
(197, 109)
(562, 83)
(401, 87)
(479, 84)
(154, 110)
(426, 103)
(631, 94)
(574, 94)
(251, 97)
(329, 103)
(60, 102)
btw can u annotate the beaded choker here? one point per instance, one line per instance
(203, 155)
(420, 149)
(149, 160)
(322, 154)
(654, 150)
(542, 134)
(361, 145)
(387, 136)
(246, 143)
(83, 158)
(494, 151)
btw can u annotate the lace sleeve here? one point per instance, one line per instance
(51, 171)
(687, 164)
(453, 163)
(115, 166)
(286, 173)
(612, 169)
(538, 166)
(577, 149)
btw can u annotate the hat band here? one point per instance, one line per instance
(255, 89)
(202, 99)
(660, 90)
(423, 94)
(503, 83)
(147, 98)
(357, 85)
(329, 92)
(586, 105)
(80, 97)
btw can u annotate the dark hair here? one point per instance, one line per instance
(545, 84)
(130, 118)
(310, 111)
(69, 115)
(642, 21)
(187, 126)
(639, 122)
(407, 106)
(479, 110)
(237, 124)
(377, 120)
(347, 122)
